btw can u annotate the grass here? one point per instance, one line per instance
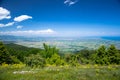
(83, 72)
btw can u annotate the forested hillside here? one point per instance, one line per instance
(12, 53)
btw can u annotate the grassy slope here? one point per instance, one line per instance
(61, 73)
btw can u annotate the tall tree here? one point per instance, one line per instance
(4, 54)
(114, 55)
(100, 55)
(49, 51)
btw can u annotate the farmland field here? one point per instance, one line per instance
(65, 44)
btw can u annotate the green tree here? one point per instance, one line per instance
(4, 55)
(113, 54)
(100, 55)
(84, 56)
(20, 52)
(49, 51)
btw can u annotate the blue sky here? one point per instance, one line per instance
(60, 17)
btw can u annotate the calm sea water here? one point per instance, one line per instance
(117, 38)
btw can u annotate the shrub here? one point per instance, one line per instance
(35, 60)
(56, 60)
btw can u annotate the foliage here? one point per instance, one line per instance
(13, 66)
(35, 60)
(20, 52)
(49, 51)
(13, 53)
(15, 60)
(100, 55)
(106, 56)
(55, 60)
(65, 67)
(85, 56)
(5, 57)
(113, 54)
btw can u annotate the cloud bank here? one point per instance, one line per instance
(29, 32)
(22, 18)
(4, 14)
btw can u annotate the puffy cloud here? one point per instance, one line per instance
(6, 25)
(19, 27)
(4, 13)
(29, 32)
(70, 2)
(22, 18)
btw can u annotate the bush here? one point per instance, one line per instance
(35, 60)
(55, 60)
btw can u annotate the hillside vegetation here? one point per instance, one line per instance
(16, 59)
(12, 53)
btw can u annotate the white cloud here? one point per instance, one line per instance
(1, 25)
(19, 27)
(9, 24)
(46, 31)
(4, 13)
(6, 25)
(69, 2)
(66, 1)
(29, 32)
(22, 18)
